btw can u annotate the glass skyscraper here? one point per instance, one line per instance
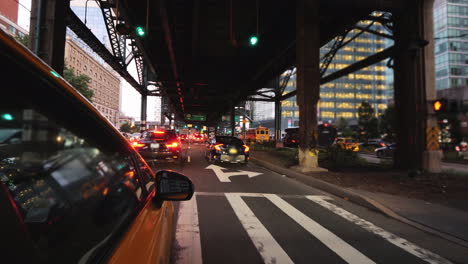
(341, 98)
(451, 43)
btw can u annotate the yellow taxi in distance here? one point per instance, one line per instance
(72, 188)
(346, 143)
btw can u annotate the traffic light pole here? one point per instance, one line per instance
(415, 87)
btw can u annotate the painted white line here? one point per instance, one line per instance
(261, 195)
(188, 159)
(336, 244)
(266, 245)
(188, 233)
(407, 246)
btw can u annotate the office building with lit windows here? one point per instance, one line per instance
(451, 43)
(341, 98)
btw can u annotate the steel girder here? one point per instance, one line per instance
(119, 42)
(117, 46)
(83, 32)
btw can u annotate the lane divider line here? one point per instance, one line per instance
(188, 233)
(266, 245)
(402, 243)
(333, 242)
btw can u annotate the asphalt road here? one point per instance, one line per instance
(247, 214)
(445, 165)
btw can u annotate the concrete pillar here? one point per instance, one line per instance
(308, 81)
(414, 86)
(47, 31)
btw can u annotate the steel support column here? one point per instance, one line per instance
(277, 110)
(47, 30)
(233, 120)
(144, 99)
(414, 82)
(308, 80)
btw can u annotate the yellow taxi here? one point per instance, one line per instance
(346, 143)
(72, 188)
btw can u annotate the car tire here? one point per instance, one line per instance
(181, 160)
(379, 154)
(209, 158)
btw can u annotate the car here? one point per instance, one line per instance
(198, 138)
(227, 149)
(72, 188)
(161, 144)
(375, 143)
(386, 152)
(183, 137)
(346, 144)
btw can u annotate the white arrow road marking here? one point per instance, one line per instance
(266, 245)
(224, 176)
(404, 244)
(333, 242)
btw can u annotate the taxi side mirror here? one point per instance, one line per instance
(173, 186)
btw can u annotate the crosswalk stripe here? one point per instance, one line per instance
(336, 244)
(266, 245)
(409, 247)
(188, 233)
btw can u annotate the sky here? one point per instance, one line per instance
(130, 99)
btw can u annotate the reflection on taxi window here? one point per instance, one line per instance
(69, 194)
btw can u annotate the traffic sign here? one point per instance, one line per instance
(195, 117)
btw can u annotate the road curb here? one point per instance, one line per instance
(357, 199)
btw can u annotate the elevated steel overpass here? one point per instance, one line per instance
(196, 54)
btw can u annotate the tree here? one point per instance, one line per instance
(342, 124)
(368, 123)
(126, 128)
(23, 39)
(388, 123)
(79, 82)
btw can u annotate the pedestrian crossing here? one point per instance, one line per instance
(269, 248)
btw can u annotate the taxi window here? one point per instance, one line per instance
(72, 197)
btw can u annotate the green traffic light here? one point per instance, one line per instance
(7, 117)
(253, 40)
(140, 31)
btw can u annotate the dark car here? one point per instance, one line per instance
(291, 139)
(72, 188)
(386, 152)
(227, 149)
(159, 144)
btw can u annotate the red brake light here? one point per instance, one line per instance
(246, 148)
(136, 144)
(218, 147)
(172, 145)
(382, 144)
(457, 148)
